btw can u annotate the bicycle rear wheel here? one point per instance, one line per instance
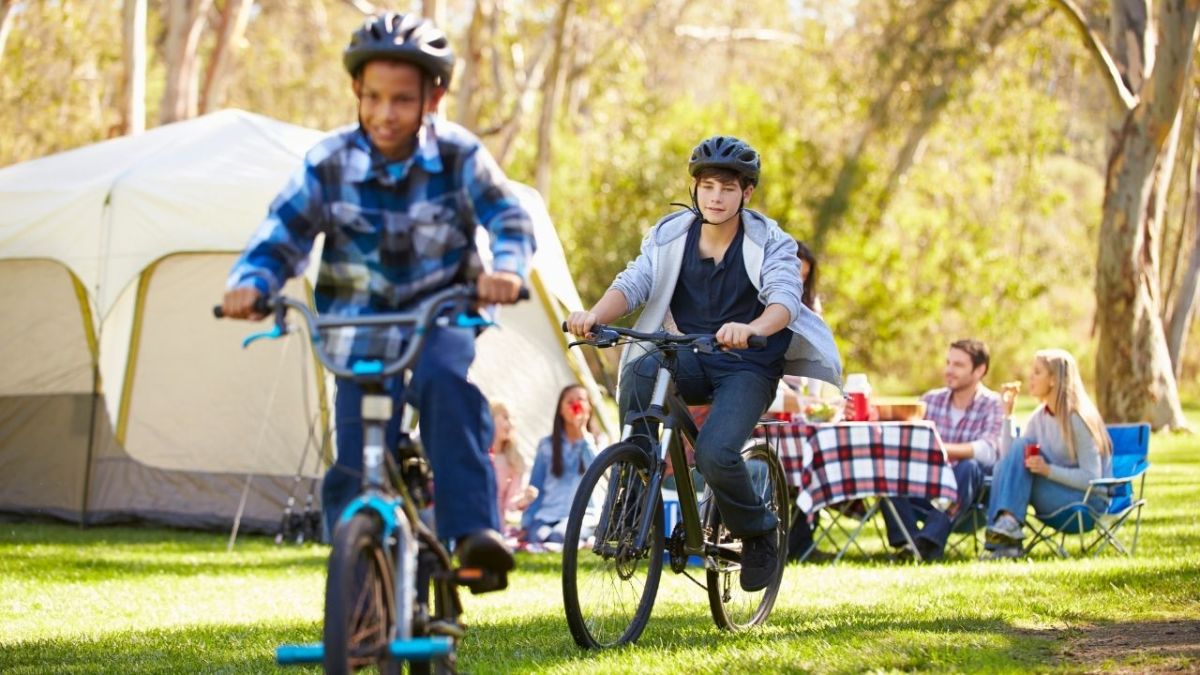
(608, 583)
(360, 605)
(733, 608)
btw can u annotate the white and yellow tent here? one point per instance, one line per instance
(122, 398)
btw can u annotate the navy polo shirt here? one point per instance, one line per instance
(709, 295)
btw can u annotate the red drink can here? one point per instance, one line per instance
(1032, 450)
(859, 410)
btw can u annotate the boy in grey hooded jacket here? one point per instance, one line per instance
(722, 269)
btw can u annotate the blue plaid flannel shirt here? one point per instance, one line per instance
(395, 232)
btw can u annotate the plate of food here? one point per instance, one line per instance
(821, 412)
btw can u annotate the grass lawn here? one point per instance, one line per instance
(125, 600)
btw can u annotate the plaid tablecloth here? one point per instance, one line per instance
(833, 463)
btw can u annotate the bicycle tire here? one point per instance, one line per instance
(360, 600)
(607, 601)
(732, 608)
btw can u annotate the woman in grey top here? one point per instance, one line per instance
(1073, 449)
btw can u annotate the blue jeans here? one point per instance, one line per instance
(456, 430)
(969, 475)
(738, 399)
(1014, 488)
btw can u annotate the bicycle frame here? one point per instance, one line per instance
(669, 411)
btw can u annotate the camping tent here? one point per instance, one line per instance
(121, 397)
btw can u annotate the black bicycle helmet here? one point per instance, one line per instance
(726, 152)
(401, 37)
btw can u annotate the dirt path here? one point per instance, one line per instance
(1137, 647)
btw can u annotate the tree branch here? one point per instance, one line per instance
(728, 34)
(362, 6)
(1116, 86)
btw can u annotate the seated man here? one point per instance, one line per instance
(969, 417)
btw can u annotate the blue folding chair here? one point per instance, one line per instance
(1131, 444)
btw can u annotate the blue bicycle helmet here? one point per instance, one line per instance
(401, 37)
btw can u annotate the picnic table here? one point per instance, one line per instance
(840, 464)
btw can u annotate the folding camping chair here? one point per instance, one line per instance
(1131, 444)
(966, 530)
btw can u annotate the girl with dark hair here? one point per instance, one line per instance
(558, 466)
(808, 276)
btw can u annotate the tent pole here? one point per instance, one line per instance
(87, 464)
(237, 519)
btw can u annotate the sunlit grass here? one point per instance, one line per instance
(151, 600)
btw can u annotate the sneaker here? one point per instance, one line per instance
(760, 562)
(484, 561)
(930, 550)
(1006, 531)
(486, 550)
(1009, 552)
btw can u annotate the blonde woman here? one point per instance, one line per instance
(1073, 448)
(512, 475)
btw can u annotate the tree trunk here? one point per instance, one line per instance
(6, 22)
(1134, 377)
(472, 60)
(432, 10)
(1184, 308)
(185, 21)
(234, 16)
(133, 103)
(545, 151)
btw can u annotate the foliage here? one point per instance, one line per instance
(150, 600)
(991, 232)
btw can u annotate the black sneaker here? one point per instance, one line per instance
(484, 561)
(760, 562)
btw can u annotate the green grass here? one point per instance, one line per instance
(126, 600)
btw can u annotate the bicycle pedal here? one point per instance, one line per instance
(479, 580)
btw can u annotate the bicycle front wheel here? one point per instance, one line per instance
(360, 605)
(733, 608)
(609, 583)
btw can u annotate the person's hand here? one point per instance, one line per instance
(239, 303)
(1037, 465)
(498, 288)
(580, 323)
(735, 335)
(1008, 396)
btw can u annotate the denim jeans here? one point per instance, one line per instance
(969, 475)
(738, 399)
(1015, 488)
(456, 429)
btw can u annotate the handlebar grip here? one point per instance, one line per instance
(262, 306)
(757, 342)
(523, 294)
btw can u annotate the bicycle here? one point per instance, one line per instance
(615, 542)
(391, 594)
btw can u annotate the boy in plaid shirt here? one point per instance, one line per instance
(969, 418)
(399, 197)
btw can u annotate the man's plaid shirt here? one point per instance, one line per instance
(395, 232)
(981, 423)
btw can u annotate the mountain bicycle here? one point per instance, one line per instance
(615, 543)
(391, 594)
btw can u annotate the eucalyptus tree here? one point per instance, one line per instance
(1146, 62)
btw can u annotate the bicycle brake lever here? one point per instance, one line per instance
(276, 331)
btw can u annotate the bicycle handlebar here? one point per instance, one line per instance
(606, 336)
(420, 318)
